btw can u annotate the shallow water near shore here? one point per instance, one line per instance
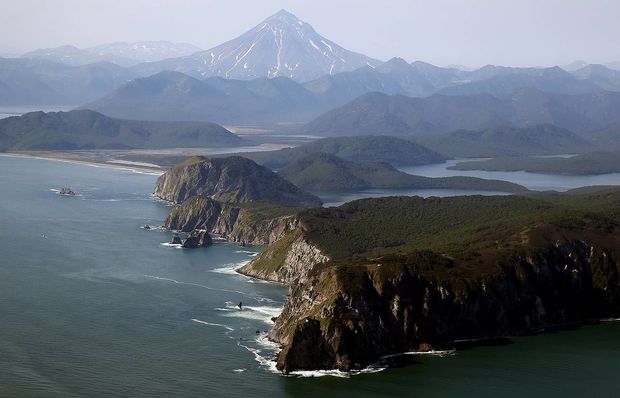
(93, 305)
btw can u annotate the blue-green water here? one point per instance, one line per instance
(92, 305)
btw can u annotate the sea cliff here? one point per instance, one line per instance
(498, 267)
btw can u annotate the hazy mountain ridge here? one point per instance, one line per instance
(377, 113)
(120, 53)
(284, 100)
(542, 139)
(27, 81)
(393, 150)
(86, 129)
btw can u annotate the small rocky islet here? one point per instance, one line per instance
(66, 191)
(377, 277)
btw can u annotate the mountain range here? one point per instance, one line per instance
(377, 113)
(119, 53)
(282, 100)
(29, 81)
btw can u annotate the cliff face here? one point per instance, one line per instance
(288, 260)
(234, 223)
(346, 317)
(230, 180)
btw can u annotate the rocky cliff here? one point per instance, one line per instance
(346, 317)
(231, 180)
(382, 276)
(288, 260)
(257, 224)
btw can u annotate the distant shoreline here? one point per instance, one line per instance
(71, 157)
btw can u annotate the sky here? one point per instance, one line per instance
(443, 32)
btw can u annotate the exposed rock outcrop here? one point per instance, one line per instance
(248, 225)
(230, 180)
(197, 238)
(289, 260)
(67, 191)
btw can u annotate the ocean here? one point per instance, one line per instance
(93, 305)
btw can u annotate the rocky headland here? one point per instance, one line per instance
(382, 276)
(424, 273)
(229, 180)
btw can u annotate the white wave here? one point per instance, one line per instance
(161, 278)
(214, 324)
(269, 363)
(610, 320)
(260, 281)
(246, 251)
(262, 313)
(240, 370)
(270, 311)
(440, 353)
(175, 245)
(230, 269)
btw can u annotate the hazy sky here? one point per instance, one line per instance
(468, 32)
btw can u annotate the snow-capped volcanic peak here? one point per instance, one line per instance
(281, 45)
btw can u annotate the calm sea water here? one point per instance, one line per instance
(93, 305)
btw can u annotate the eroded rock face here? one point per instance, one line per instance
(289, 260)
(197, 238)
(232, 222)
(347, 318)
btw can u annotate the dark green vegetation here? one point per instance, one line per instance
(406, 273)
(541, 139)
(590, 163)
(458, 225)
(231, 180)
(393, 150)
(322, 172)
(377, 113)
(85, 129)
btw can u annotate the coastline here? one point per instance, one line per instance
(76, 158)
